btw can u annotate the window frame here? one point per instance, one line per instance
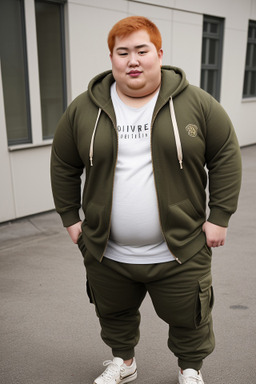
(207, 68)
(250, 69)
(29, 139)
(27, 93)
(32, 87)
(63, 58)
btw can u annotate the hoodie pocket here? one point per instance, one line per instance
(95, 222)
(183, 223)
(81, 244)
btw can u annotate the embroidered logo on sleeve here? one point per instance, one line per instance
(192, 130)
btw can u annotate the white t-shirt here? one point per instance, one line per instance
(136, 235)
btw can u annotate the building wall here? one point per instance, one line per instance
(24, 170)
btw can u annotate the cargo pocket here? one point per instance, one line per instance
(90, 294)
(205, 300)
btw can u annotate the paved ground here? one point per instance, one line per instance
(49, 332)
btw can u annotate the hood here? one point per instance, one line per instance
(173, 83)
(99, 89)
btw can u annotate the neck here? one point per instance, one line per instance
(136, 102)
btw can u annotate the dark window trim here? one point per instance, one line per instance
(27, 93)
(220, 37)
(61, 4)
(63, 46)
(63, 50)
(249, 69)
(54, 1)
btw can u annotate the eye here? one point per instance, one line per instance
(122, 53)
(142, 52)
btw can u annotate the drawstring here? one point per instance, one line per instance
(176, 133)
(92, 139)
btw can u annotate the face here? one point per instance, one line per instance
(136, 65)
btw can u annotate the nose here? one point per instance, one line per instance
(133, 60)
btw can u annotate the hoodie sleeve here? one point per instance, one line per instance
(66, 170)
(223, 160)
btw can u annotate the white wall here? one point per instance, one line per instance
(89, 24)
(24, 173)
(242, 112)
(89, 27)
(24, 169)
(180, 23)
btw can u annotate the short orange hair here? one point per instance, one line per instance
(131, 24)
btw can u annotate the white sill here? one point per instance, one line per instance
(21, 147)
(249, 100)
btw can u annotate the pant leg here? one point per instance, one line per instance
(117, 299)
(183, 298)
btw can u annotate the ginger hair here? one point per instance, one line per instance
(131, 24)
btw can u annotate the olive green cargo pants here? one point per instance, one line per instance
(182, 296)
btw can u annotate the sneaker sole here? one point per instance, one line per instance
(126, 379)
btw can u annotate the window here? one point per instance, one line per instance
(249, 89)
(212, 55)
(51, 57)
(49, 34)
(15, 71)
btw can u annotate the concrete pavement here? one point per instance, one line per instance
(49, 331)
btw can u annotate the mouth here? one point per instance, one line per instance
(134, 73)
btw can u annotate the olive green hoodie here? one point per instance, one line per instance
(190, 132)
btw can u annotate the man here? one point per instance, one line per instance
(143, 136)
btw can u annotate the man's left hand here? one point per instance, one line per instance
(215, 235)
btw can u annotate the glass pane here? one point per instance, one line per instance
(213, 51)
(251, 55)
(208, 81)
(203, 84)
(253, 84)
(245, 90)
(50, 54)
(212, 55)
(214, 28)
(211, 86)
(248, 55)
(205, 27)
(14, 72)
(254, 55)
(204, 51)
(252, 31)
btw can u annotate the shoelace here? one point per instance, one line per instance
(112, 370)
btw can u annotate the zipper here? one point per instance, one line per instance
(151, 128)
(109, 224)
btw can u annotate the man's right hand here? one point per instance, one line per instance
(74, 231)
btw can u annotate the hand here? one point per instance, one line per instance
(215, 235)
(74, 231)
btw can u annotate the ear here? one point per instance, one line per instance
(111, 57)
(160, 55)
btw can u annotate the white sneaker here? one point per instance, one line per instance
(117, 372)
(190, 376)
